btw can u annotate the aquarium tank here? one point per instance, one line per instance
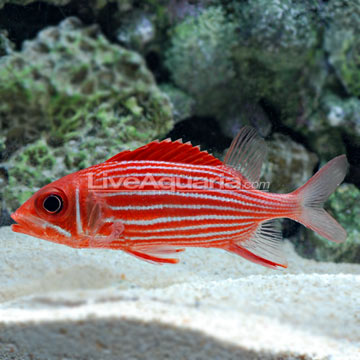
(82, 81)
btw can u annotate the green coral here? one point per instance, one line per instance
(344, 206)
(72, 91)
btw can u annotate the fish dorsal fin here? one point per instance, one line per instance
(170, 151)
(247, 153)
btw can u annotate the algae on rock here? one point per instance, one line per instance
(279, 53)
(228, 56)
(342, 41)
(199, 59)
(77, 99)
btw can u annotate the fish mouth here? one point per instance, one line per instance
(22, 225)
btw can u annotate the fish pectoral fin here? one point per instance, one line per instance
(149, 254)
(158, 250)
(263, 247)
(107, 235)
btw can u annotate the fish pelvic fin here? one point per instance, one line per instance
(314, 193)
(149, 254)
(263, 247)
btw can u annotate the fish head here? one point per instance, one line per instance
(49, 213)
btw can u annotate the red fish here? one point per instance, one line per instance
(166, 195)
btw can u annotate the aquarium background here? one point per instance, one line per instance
(83, 80)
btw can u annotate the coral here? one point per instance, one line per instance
(72, 91)
(276, 55)
(342, 41)
(199, 59)
(229, 56)
(344, 206)
(281, 35)
(288, 166)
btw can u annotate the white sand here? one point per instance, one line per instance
(61, 303)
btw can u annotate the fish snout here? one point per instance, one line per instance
(17, 218)
(22, 224)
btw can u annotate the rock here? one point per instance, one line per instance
(199, 60)
(137, 31)
(75, 100)
(97, 4)
(26, 2)
(242, 114)
(288, 166)
(232, 55)
(181, 103)
(344, 206)
(6, 46)
(54, 298)
(342, 18)
(282, 35)
(276, 53)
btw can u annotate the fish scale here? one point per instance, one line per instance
(196, 212)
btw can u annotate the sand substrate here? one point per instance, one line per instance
(60, 303)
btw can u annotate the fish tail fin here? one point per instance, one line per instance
(314, 193)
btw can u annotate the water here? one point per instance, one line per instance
(80, 82)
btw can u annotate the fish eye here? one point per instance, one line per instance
(53, 204)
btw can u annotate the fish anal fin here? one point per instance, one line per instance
(247, 153)
(248, 255)
(262, 247)
(169, 151)
(149, 257)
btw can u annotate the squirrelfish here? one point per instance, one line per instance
(166, 196)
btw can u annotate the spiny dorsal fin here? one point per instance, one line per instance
(171, 151)
(247, 153)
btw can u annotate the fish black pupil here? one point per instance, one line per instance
(53, 204)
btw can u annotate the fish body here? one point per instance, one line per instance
(166, 196)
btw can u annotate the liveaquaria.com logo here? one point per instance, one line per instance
(175, 182)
